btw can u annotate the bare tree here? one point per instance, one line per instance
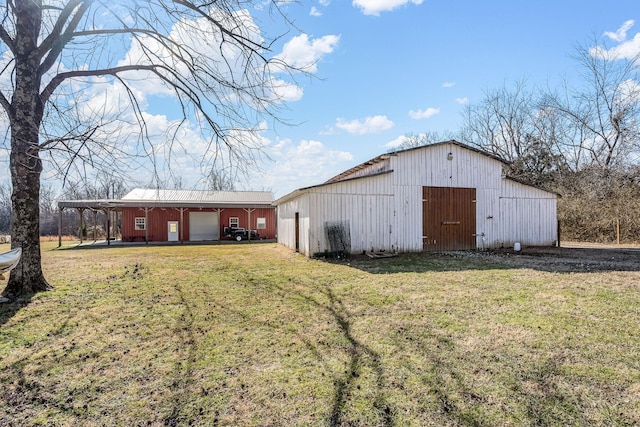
(5, 208)
(603, 109)
(209, 57)
(221, 180)
(500, 123)
(512, 124)
(582, 141)
(48, 210)
(414, 140)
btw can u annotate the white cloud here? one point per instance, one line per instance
(315, 11)
(304, 53)
(395, 143)
(462, 101)
(424, 114)
(628, 93)
(620, 34)
(199, 39)
(324, 2)
(448, 84)
(373, 124)
(374, 7)
(626, 49)
(300, 165)
(285, 91)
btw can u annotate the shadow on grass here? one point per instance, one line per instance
(120, 245)
(182, 376)
(546, 259)
(10, 309)
(360, 357)
(26, 390)
(423, 262)
(459, 394)
(544, 399)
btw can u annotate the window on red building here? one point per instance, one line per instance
(141, 223)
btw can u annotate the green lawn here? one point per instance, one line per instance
(254, 334)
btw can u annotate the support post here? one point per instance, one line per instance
(81, 231)
(108, 214)
(60, 226)
(220, 225)
(181, 225)
(95, 224)
(248, 211)
(146, 225)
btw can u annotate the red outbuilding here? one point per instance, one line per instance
(189, 215)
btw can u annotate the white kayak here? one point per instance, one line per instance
(8, 260)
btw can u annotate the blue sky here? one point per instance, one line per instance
(412, 68)
(381, 69)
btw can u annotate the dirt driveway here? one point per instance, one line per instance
(572, 257)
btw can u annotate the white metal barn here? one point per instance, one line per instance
(444, 196)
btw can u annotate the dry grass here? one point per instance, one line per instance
(65, 238)
(257, 335)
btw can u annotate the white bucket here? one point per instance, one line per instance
(516, 246)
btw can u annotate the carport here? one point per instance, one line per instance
(154, 215)
(111, 207)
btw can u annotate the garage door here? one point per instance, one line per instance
(203, 226)
(448, 218)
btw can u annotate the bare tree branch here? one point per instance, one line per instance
(57, 39)
(209, 59)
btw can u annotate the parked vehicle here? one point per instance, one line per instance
(240, 233)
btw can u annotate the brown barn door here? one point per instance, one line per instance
(448, 218)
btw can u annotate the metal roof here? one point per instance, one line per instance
(141, 197)
(199, 196)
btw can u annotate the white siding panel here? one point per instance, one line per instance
(531, 222)
(431, 167)
(365, 204)
(368, 218)
(408, 218)
(527, 215)
(287, 226)
(510, 188)
(487, 217)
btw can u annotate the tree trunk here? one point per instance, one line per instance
(25, 164)
(27, 277)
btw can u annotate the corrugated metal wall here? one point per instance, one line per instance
(158, 218)
(249, 220)
(287, 229)
(156, 223)
(365, 204)
(527, 215)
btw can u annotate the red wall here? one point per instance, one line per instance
(158, 217)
